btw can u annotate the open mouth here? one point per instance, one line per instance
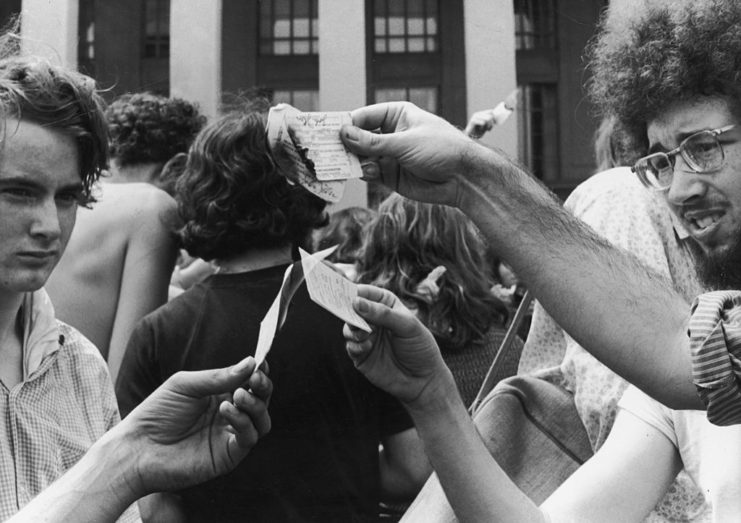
(702, 226)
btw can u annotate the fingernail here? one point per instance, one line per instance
(370, 170)
(351, 133)
(242, 365)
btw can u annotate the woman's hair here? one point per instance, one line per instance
(647, 57)
(346, 230)
(34, 90)
(231, 196)
(613, 146)
(406, 241)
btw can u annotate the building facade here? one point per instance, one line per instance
(452, 57)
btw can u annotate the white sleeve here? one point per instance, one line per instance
(650, 411)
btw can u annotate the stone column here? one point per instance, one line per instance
(195, 52)
(342, 70)
(490, 64)
(49, 29)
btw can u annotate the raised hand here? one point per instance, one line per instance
(400, 356)
(416, 153)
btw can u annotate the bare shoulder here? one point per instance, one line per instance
(135, 205)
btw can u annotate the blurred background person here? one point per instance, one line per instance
(346, 229)
(433, 258)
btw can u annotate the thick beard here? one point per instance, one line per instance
(721, 271)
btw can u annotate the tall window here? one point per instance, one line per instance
(416, 53)
(537, 76)
(289, 27)
(86, 48)
(535, 24)
(405, 26)
(288, 51)
(538, 128)
(406, 37)
(156, 28)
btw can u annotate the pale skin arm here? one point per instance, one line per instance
(196, 426)
(404, 466)
(611, 304)
(150, 259)
(623, 483)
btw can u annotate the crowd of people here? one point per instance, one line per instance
(636, 277)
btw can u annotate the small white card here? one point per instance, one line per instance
(331, 290)
(269, 325)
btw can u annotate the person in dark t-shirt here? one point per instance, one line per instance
(321, 460)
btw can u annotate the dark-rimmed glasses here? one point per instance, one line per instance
(701, 151)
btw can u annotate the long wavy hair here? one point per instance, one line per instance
(231, 196)
(647, 57)
(406, 241)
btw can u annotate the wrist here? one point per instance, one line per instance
(438, 396)
(115, 456)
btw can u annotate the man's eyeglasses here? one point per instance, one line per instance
(702, 152)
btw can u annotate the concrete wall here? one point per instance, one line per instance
(490, 64)
(49, 29)
(195, 52)
(342, 75)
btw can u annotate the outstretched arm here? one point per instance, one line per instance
(616, 308)
(196, 426)
(622, 483)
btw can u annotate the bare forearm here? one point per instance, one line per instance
(96, 489)
(625, 315)
(474, 484)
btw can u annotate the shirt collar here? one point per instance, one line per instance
(40, 330)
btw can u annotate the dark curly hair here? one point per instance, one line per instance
(406, 241)
(34, 90)
(148, 128)
(232, 198)
(651, 56)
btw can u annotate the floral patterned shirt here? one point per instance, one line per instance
(618, 207)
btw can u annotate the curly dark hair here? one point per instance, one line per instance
(232, 198)
(660, 53)
(34, 90)
(406, 241)
(148, 128)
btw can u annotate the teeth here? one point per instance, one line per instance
(707, 221)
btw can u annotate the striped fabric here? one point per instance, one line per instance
(715, 343)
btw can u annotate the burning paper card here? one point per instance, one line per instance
(308, 149)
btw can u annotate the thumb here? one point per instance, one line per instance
(204, 383)
(395, 319)
(366, 143)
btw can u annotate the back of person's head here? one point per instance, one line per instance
(652, 54)
(613, 146)
(36, 91)
(147, 128)
(346, 230)
(231, 196)
(407, 241)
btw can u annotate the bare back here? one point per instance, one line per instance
(117, 265)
